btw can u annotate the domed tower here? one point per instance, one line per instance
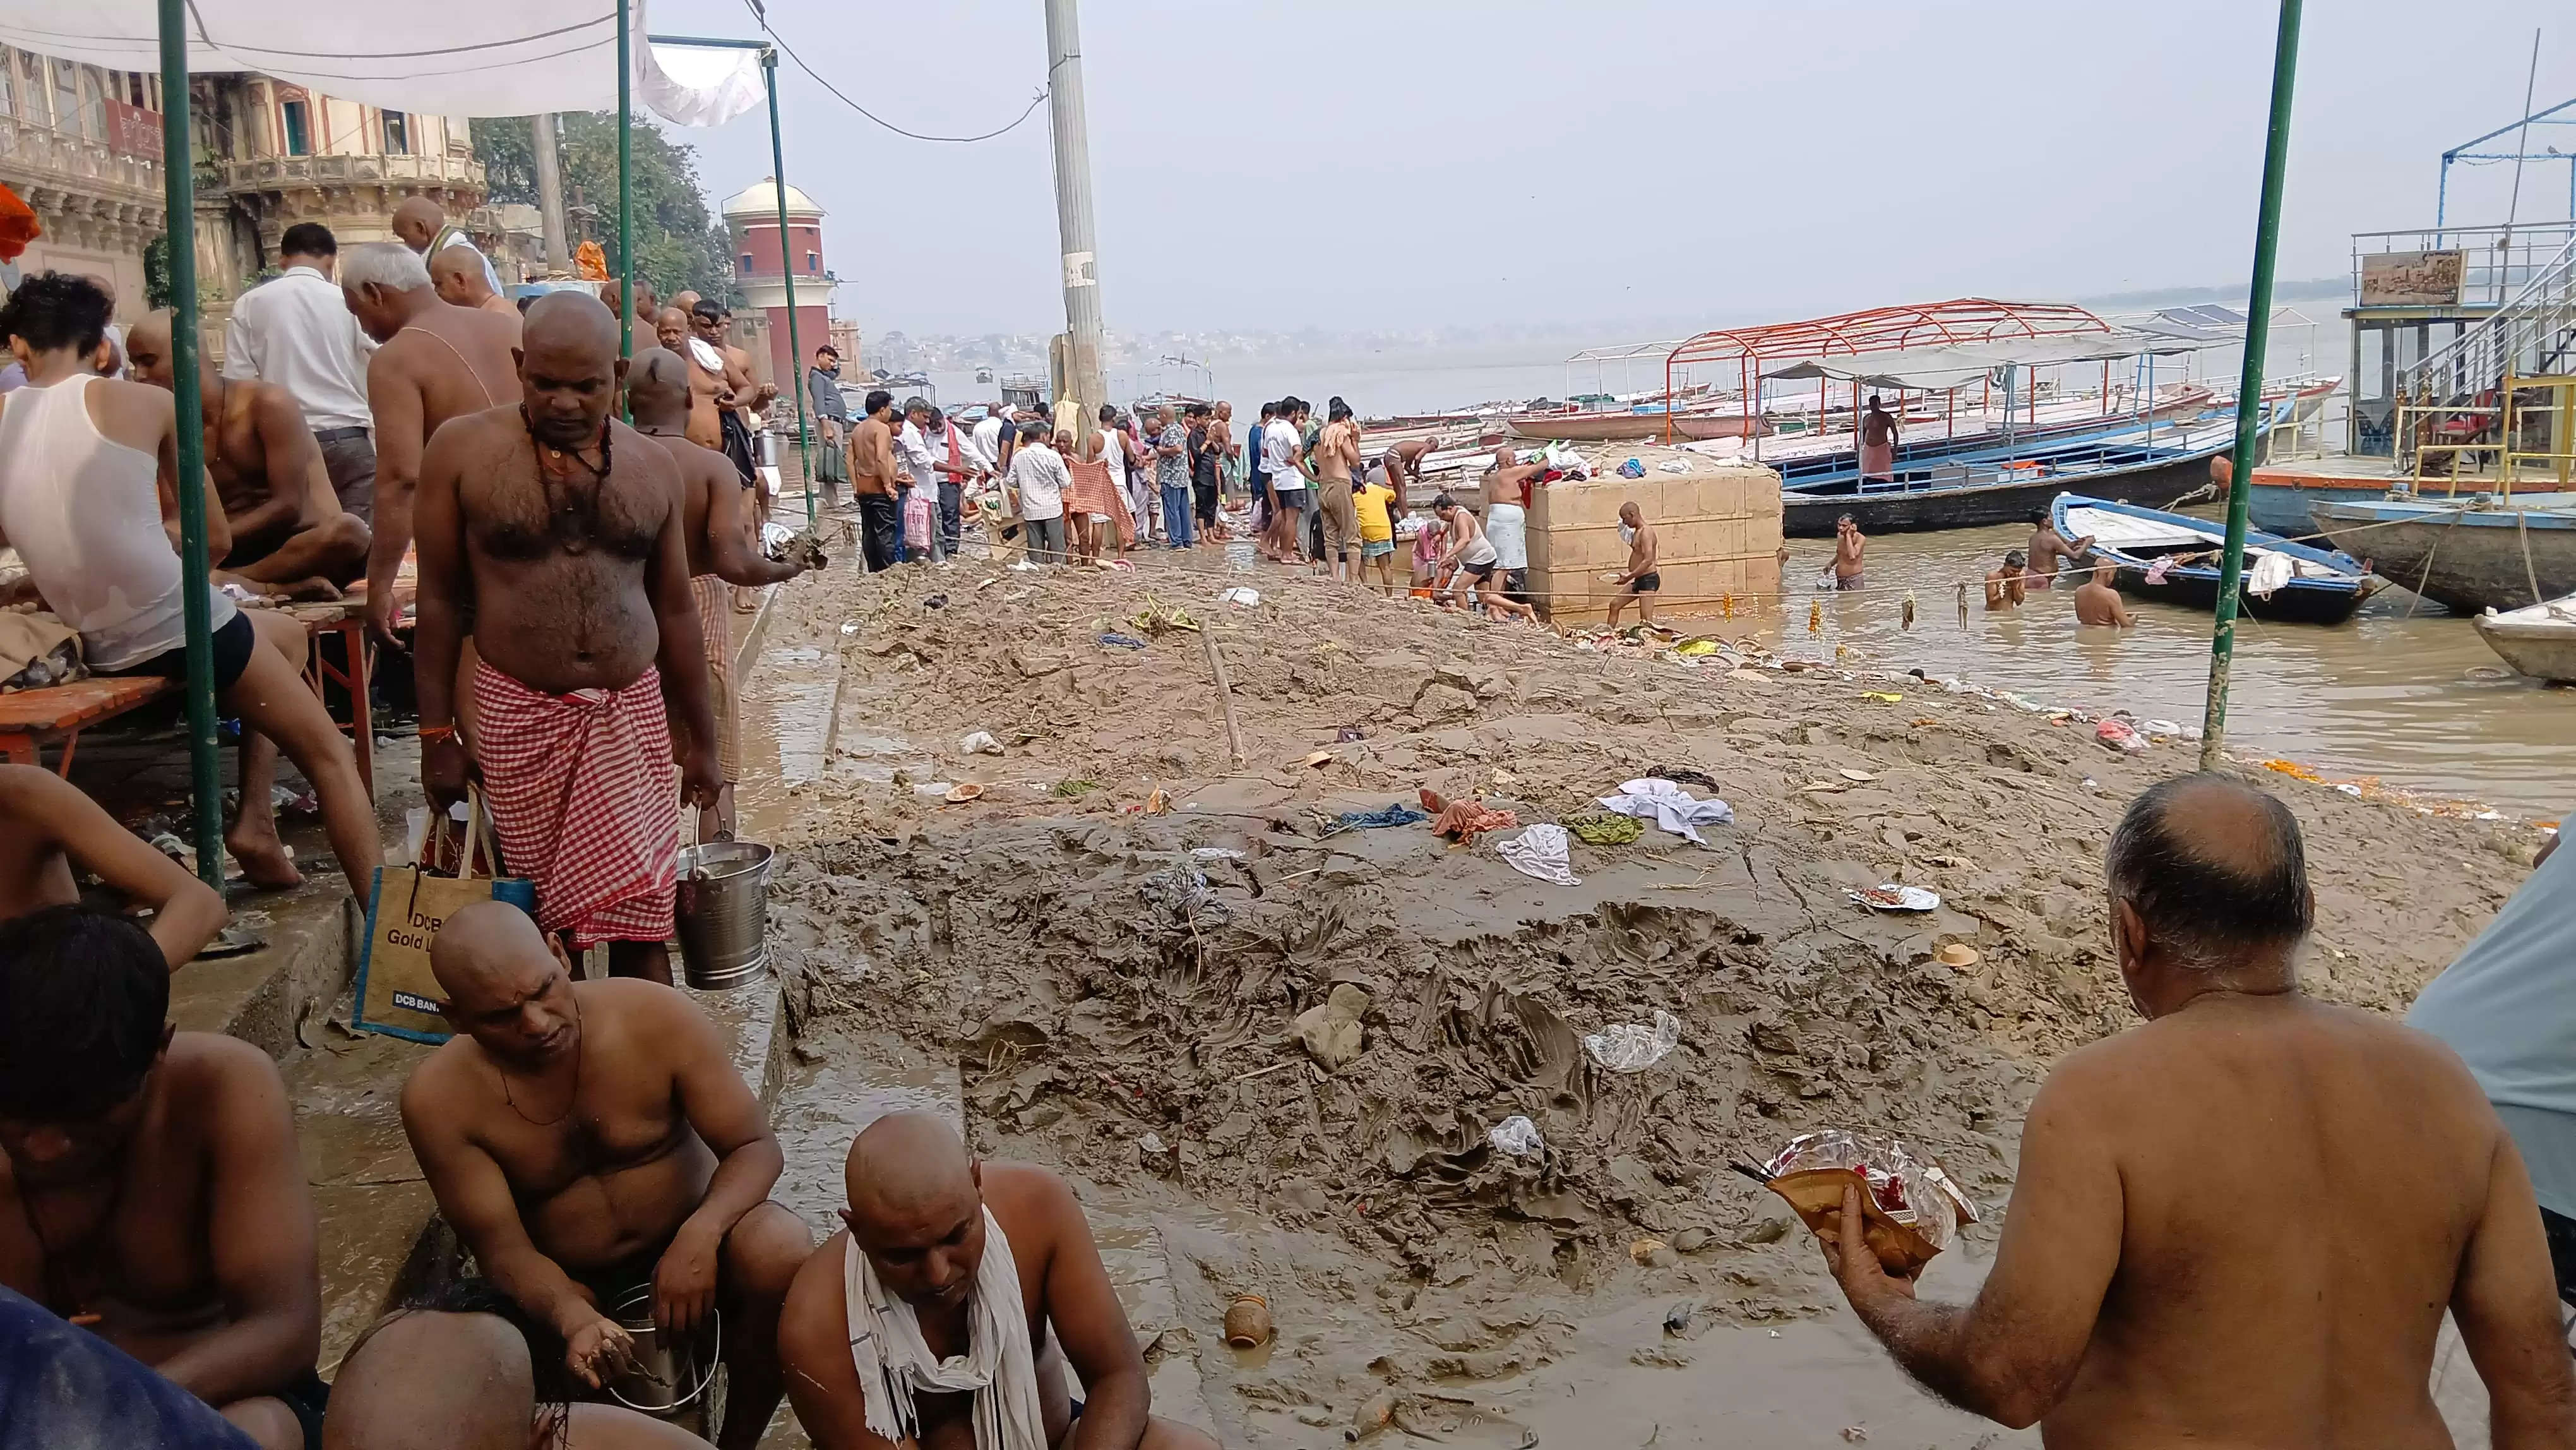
(761, 267)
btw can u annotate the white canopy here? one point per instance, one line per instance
(1934, 369)
(446, 58)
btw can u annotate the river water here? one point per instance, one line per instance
(2416, 700)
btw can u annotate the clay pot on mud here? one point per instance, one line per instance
(1247, 1322)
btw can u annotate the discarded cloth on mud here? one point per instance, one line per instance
(1669, 806)
(1540, 851)
(1464, 820)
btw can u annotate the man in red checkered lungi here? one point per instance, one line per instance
(555, 535)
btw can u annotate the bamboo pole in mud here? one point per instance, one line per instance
(2249, 388)
(1224, 696)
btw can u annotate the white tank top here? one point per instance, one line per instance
(84, 514)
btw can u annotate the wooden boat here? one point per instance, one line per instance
(2175, 558)
(2538, 640)
(2471, 553)
(1812, 460)
(2011, 486)
(1624, 427)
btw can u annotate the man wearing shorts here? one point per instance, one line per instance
(1287, 483)
(1476, 559)
(1642, 580)
(1374, 504)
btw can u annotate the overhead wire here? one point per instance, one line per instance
(837, 94)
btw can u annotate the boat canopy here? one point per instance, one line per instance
(1940, 367)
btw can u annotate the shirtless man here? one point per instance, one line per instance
(2099, 602)
(451, 1370)
(1402, 464)
(2050, 553)
(935, 1237)
(1474, 556)
(559, 531)
(436, 362)
(646, 318)
(149, 1182)
(639, 1162)
(421, 224)
(725, 386)
(458, 275)
(289, 531)
(2004, 586)
(1877, 443)
(1642, 580)
(1849, 544)
(1337, 457)
(48, 827)
(874, 480)
(2240, 1223)
(719, 534)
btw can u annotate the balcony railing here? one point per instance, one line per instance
(279, 173)
(2495, 262)
(45, 156)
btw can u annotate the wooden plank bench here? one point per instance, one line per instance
(33, 719)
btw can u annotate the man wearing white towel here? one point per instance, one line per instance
(925, 1323)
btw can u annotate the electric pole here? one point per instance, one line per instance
(550, 201)
(1073, 207)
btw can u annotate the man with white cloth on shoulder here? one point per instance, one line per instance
(944, 1315)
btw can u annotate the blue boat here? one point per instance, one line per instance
(2473, 552)
(2175, 558)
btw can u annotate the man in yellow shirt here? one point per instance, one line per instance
(1375, 503)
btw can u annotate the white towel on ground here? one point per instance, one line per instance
(1669, 806)
(1541, 851)
(998, 1367)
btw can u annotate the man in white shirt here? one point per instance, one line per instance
(296, 332)
(923, 446)
(1279, 457)
(1039, 477)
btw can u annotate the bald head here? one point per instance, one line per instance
(569, 370)
(2212, 872)
(905, 1160)
(671, 328)
(916, 1208)
(457, 273)
(657, 388)
(147, 348)
(488, 951)
(418, 221)
(422, 1380)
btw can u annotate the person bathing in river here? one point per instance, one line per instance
(2099, 601)
(2005, 586)
(640, 1162)
(2051, 553)
(2240, 1223)
(946, 1313)
(1849, 544)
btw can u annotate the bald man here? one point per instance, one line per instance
(962, 1260)
(560, 533)
(290, 535)
(421, 224)
(720, 536)
(711, 384)
(435, 362)
(647, 306)
(592, 1144)
(451, 1370)
(2240, 1224)
(462, 280)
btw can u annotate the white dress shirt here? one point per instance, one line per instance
(297, 332)
(1038, 472)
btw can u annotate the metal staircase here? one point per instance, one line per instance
(2502, 395)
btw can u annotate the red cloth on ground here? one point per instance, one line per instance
(583, 792)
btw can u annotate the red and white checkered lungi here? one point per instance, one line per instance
(583, 791)
(715, 609)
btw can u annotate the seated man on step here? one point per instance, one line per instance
(593, 1145)
(290, 535)
(926, 1323)
(149, 1183)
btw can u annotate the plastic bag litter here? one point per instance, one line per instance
(1248, 598)
(1632, 1046)
(1516, 1135)
(980, 742)
(1673, 465)
(2119, 737)
(1633, 468)
(1183, 892)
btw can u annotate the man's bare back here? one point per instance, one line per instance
(1336, 451)
(445, 363)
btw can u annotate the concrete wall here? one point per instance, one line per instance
(1717, 531)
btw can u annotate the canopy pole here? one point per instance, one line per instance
(625, 189)
(787, 274)
(196, 592)
(2249, 388)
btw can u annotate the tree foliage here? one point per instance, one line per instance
(679, 245)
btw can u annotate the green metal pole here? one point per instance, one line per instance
(787, 273)
(196, 593)
(625, 189)
(2249, 388)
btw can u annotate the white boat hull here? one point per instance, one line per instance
(2538, 640)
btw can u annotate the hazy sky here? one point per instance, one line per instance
(1422, 163)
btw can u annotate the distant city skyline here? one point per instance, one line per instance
(1351, 165)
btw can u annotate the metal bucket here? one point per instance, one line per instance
(669, 1377)
(724, 913)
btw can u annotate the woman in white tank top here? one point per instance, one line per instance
(84, 513)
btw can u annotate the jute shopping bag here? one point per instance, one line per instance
(396, 993)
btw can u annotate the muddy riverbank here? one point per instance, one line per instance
(1114, 942)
